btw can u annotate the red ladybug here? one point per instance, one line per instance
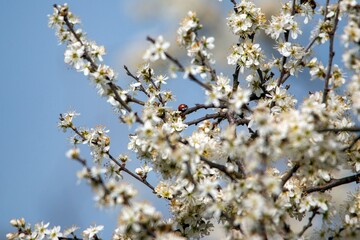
(182, 107)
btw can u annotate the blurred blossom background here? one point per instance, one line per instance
(37, 181)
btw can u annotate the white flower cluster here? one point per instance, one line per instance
(67, 119)
(157, 50)
(42, 231)
(280, 24)
(224, 168)
(141, 221)
(247, 55)
(197, 47)
(246, 19)
(86, 56)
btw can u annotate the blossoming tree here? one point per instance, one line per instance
(225, 170)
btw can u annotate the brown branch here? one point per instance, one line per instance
(233, 2)
(220, 167)
(156, 88)
(207, 116)
(66, 238)
(123, 168)
(137, 80)
(286, 178)
(98, 180)
(242, 121)
(333, 183)
(308, 47)
(236, 78)
(353, 143)
(202, 106)
(289, 174)
(309, 224)
(336, 130)
(331, 53)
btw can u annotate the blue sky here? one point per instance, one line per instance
(37, 181)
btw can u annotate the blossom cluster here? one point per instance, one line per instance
(43, 231)
(223, 167)
(197, 47)
(246, 19)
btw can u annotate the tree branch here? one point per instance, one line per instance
(202, 106)
(333, 183)
(121, 166)
(289, 174)
(336, 130)
(207, 116)
(98, 180)
(137, 80)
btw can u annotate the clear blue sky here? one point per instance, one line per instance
(37, 182)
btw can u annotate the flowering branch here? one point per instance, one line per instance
(181, 67)
(300, 61)
(121, 166)
(137, 80)
(94, 66)
(219, 171)
(98, 179)
(284, 58)
(202, 106)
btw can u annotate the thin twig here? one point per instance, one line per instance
(98, 179)
(220, 167)
(207, 116)
(158, 96)
(122, 166)
(289, 174)
(331, 53)
(137, 80)
(308, 47)
(352, 144)
(309, 224)
(336, 130)
(236, 78)
(284, 59)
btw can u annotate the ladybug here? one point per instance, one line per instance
(182, 107)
